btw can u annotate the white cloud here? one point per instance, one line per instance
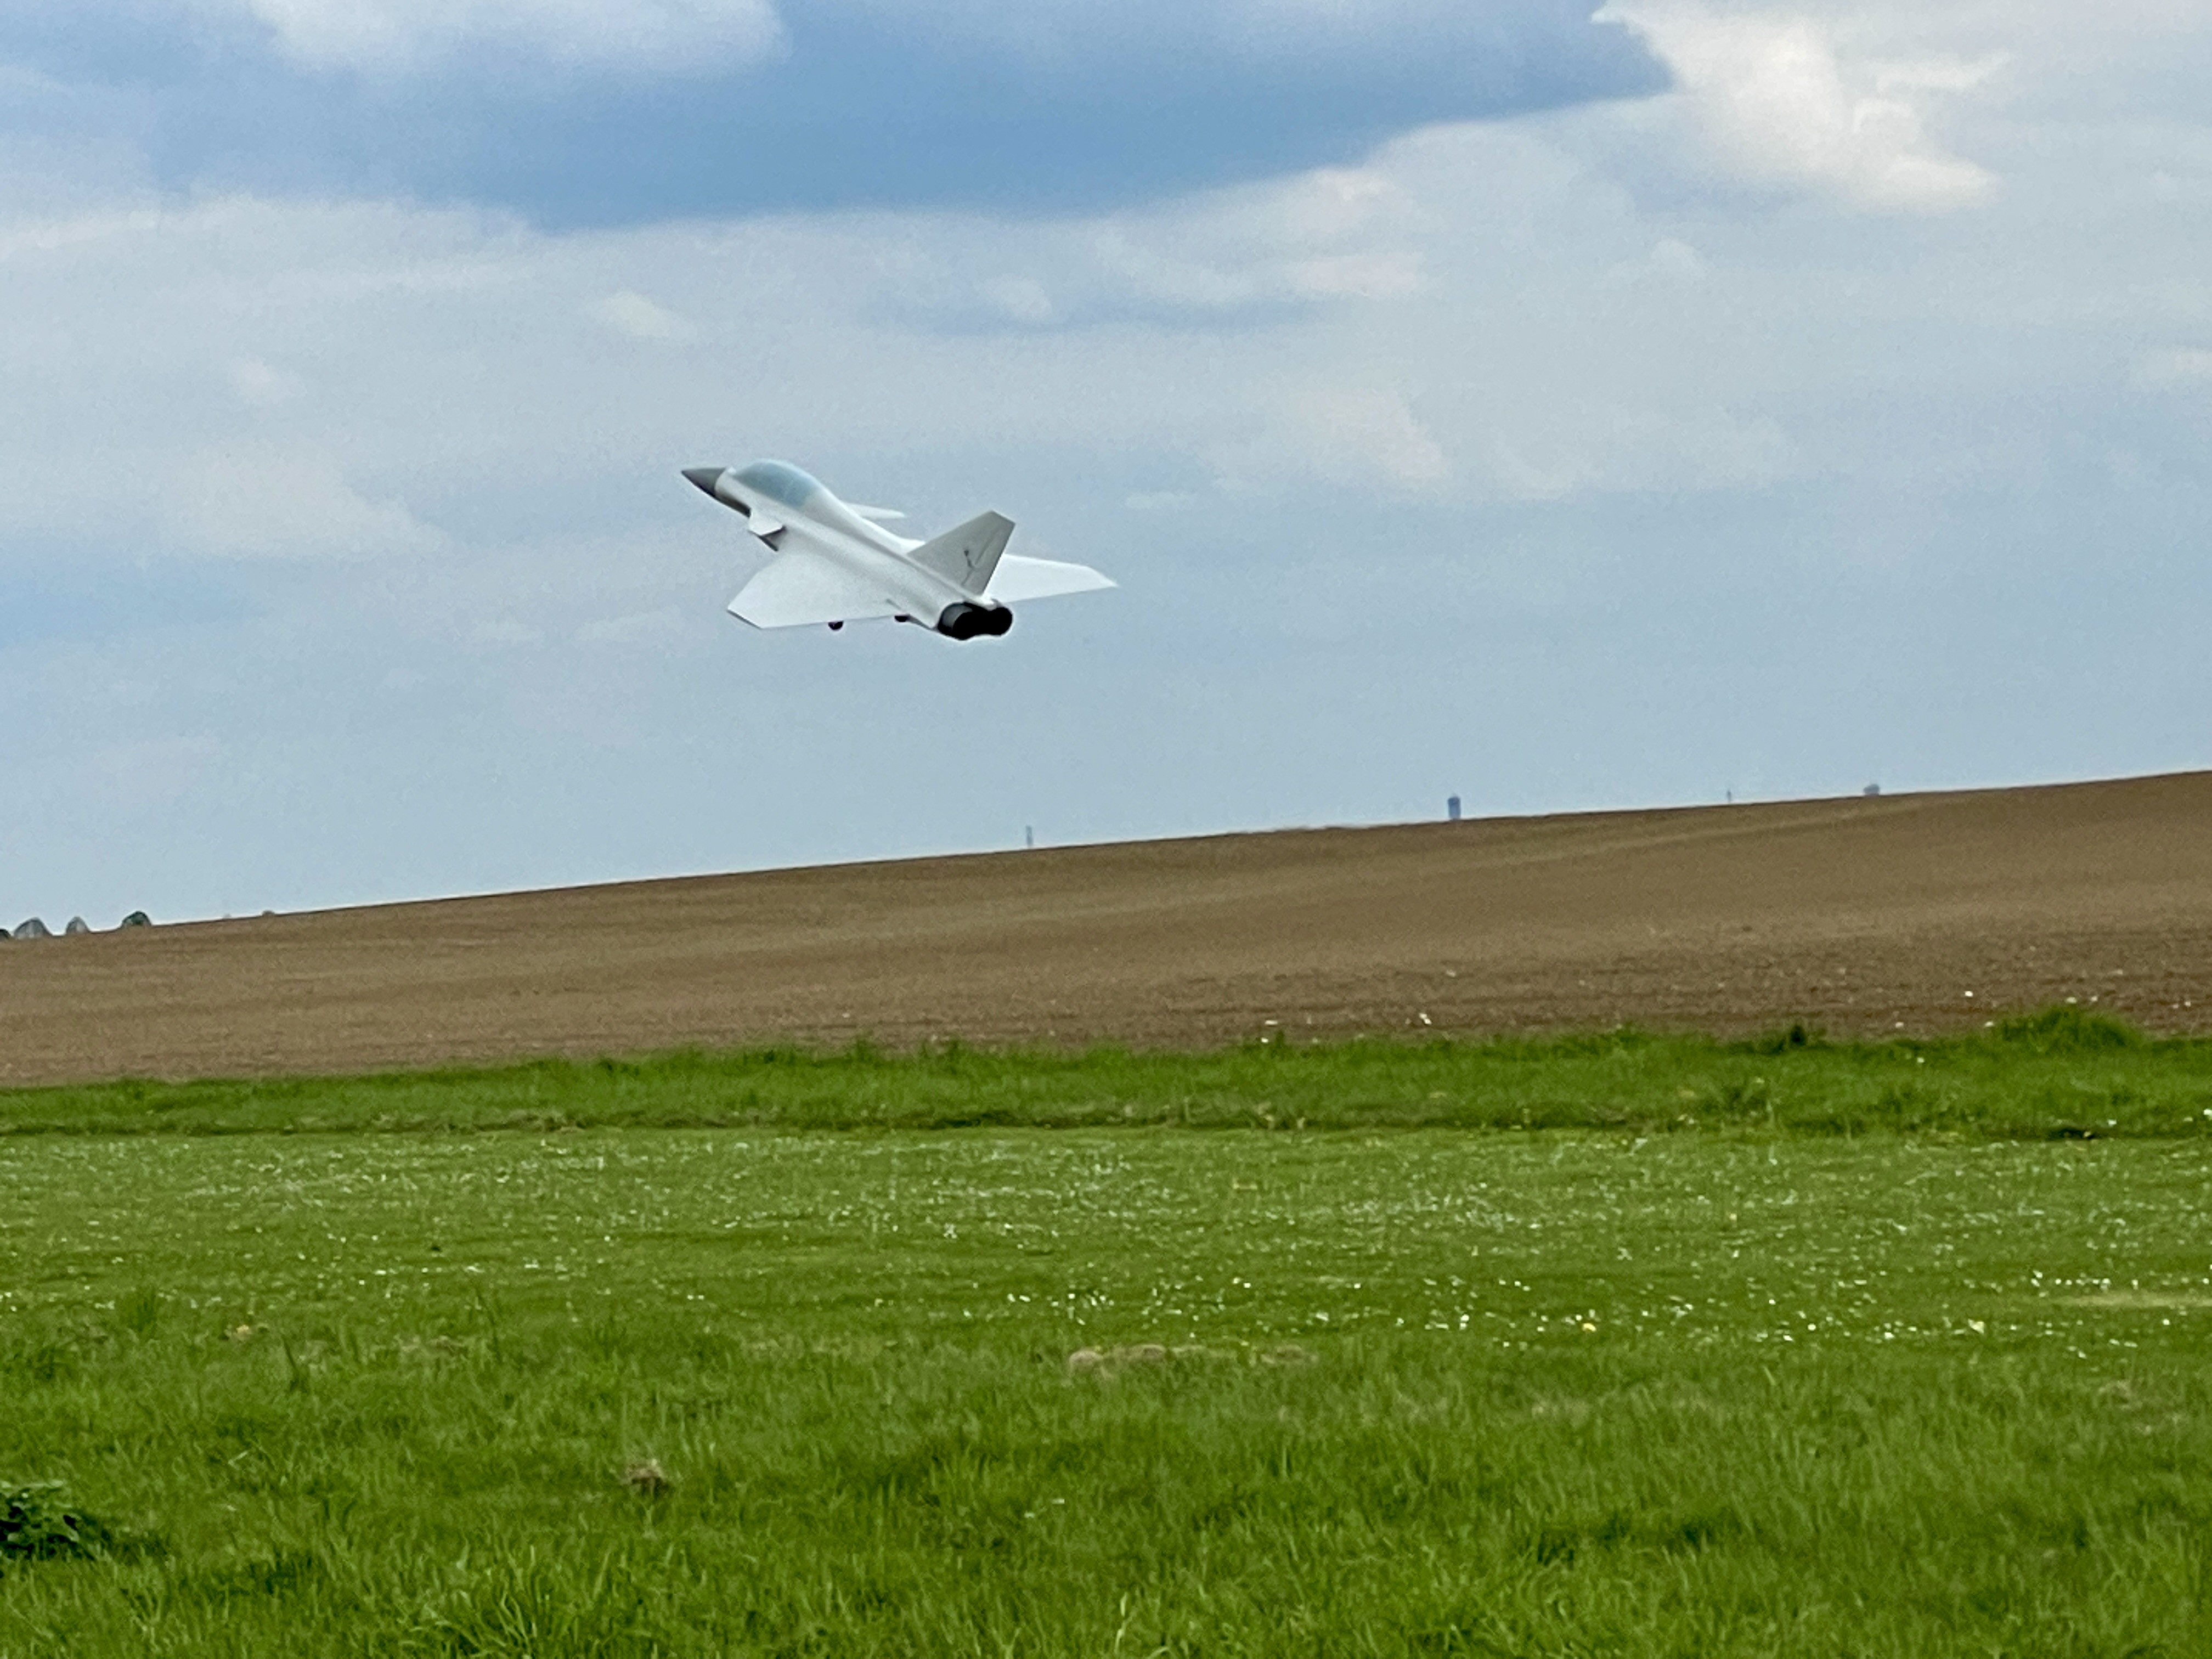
(1309, 240)
(261, 502)
(505, 633)
(1354, 437)
(1355, 277)
(2176, 366)
(1617, 449)
(645, 628)
(1382, 430)
(1676, 259)
(1360, 430)
(1669, 262)
(1779, 100)
(1023, 299)
(1331, 233)
(630, 312)
(400, 35)
(258, 383)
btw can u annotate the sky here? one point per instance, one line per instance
(1559, 408)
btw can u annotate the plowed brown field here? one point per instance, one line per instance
(1924, 913)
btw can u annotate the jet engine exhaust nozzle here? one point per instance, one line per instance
(964, 621)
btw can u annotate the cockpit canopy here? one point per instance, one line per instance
(780, 482)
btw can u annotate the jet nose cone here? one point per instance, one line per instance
(705, 476)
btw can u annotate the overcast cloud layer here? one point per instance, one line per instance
(581, 111)
(1718, 399)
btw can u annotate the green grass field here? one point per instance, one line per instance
(1734, 1389)
(2062, 1071)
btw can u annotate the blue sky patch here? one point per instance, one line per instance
(93, 603)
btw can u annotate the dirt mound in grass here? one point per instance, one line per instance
(1921, 912)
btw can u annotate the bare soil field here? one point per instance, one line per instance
(1917, 914)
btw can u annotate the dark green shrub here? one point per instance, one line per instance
(139, 1311)
(2066, 1029)
(38, 1522)
(1799, 1035)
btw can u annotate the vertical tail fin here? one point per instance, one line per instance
(967, 556)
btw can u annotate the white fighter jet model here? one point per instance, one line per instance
(834, 564)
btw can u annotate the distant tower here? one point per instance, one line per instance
(1029, 835)
(1451, 809)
